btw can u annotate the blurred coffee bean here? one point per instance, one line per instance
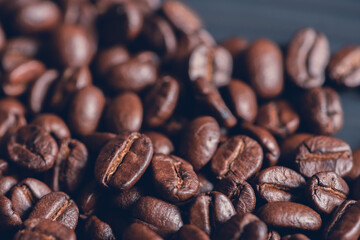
(188, 232)
(355, 171)
(54, 125)
(98, 230)
(128, 198)
(237, 48)
(161, 143)
(289, 147)
(138, 231)
(110, 57)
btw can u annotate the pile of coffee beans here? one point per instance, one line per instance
(125, 119)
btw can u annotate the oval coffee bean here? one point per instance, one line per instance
(138, 231)
(189, 232)
(323, 153)
(98, 230)
(307, 56)
(174, 178)
(6, 184)
(237, 48)
(289, 215)
(239, 157)
(326, 191)
(161, 143)
(297, 236)
(123, 160)
(8, 217)
(89, 199)
(110, 57)
(289, 147)
(205, 185)
(53, 124)
(355, 171)
(127, 199)
(57, 206)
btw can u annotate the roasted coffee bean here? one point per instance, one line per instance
(344, 66)
(242, 226)
(2, 38)
(243, 100)
(6, 184)
(344, 222)
(279, 183)
(199, 141)
(161, 217)
(161, 143)
(123, 160)
(289, 215)
(86, 110)
(98, 230)
(205, 185)
(110, 57)
(189, 232)
(24, 72)
(273, 235)
(42, 229)
(323, 113)
(4, 167)
(240, 193)
(297, 236)
(355, 170)
(138, 231)
(279, 118)
(209, 210)
(8, 217)
(268, 143)
(307, 56)
(148, 57)
(174, 178)
(265, 68)
(33, 148)
(239, 157)
(89, 199)
(124, 113)
(26, 46)
(323, 153)
(161, 101)
(237, 48)
(57, 206)
(53, 124)
(128, 198)
(289, 147)
(326, 191)
(96, 141)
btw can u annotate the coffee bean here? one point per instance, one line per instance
(289, 147)
(205, 185)
(209, 210)
(123, 160)
(344, 66)
(161, 217)
(57, 206)
(128, 198)
(98, 230)
(23, 45)
(240, 193)
(289, 215)
(279, 118)
(148, 6)
(161, 143)
(89, 199)
(8, 217)
(2, 38)
(307, 56)
(265, 68)
(355, 171)
(199, 141)
(326, 191)
(174, 178)
(53, 125)
(188, 232)
(96, 141)
(6, 184)
(240, 157)
(237, 48)
(324, 113)
(297, 236)
(279, 183)
(109, 58)
(4, 167)
(138, 231)
(24, 72)
(323, 153)
(33, 148)
(273, 235)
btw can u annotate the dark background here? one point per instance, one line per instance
(279, 20)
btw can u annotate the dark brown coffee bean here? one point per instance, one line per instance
(209, 210)
(273, 235)
(98, 230)
(355, 171)
(344, 222)
(189, 232)
(4, 167)
(53, 124)
(148, 57)
(289, 147)
(24, 72)
(57, 206)
(242, 226)
(240, 193)
(205, 185)
(96, 141)
(307, 56)
(138, 231)
(265, 68)
(6, 184)
(33, 148)
(326, 191)
(43, 229)
(344, 66)
(161, 217)
(297, 236)
(279, 183)
(128, 198)
(289, 215)
(161, 143)
(86, 110)
(110, 57)
(2, 38)
(148, 6)
(279, 118)
(240, 157)
(199, 141)
(237, 48)
(324, 113)
(124, 113)
(89, 199)
(174, 178)
(8, 217)
(26, 46)
(323, 153)
(123, 160)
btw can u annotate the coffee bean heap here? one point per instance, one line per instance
(126, 120)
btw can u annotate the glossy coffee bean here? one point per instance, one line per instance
(205, 185)
(209, 210)
(307, 56)
(57, 206)
(124, 113)
(98, 230)
(8, 217)
(355, 171)
(326, 191)
(240, 193)
(161, 217)
(199, 141)
(279, 183)
(161, 143)
(174, 178)
(89, 199)
(323, 153)
(289, 215)
(344, 66)
(279, 118)
(265, 68)
(138, 231)
(324, 113)
(6, 184)
(110, 57)
(128, 198)
(42, 229)
(123, 160)
(273, 235)
(33, 148)
(289, 147)
(239, 157)
(297, 236)
(96, 141)
(188, 232)
(53, 124)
